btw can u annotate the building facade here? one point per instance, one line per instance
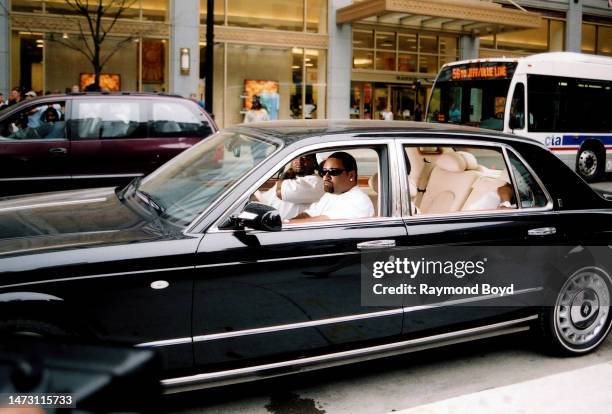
(300, 58)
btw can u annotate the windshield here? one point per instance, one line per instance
(471, 94)
(189, 183)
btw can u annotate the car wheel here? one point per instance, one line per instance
(580, 318)
(589, 164)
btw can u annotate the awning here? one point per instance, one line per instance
(474, 17)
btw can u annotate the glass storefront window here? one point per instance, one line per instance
(297, 70)
(407, 42)
(385, 60)
(407, 62)
(27, 6)
(557, 36)
(316, 16)
(385, 40)
(533, 40)
(154, 9)
(219, 12)
(363, 39)
(315, 63)
(363, 59)
(267, 14)
(604, 40)
(448, 48)
(428, 44)
(428, 64)
(588, 38)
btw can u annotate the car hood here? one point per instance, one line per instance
(69, 219)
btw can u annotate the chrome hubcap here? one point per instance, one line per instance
(582, 308)
(587, 163)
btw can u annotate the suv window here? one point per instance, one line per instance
(109, 118)
(43, 121)
(175, 119)
(530, 193)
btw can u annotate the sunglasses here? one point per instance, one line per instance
(334, 172)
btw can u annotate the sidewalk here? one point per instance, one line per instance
(585, 390)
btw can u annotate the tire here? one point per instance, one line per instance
(580, 319)
(590, 164)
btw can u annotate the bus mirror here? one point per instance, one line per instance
(516, 121)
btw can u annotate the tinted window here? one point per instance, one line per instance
(176, 119)
(530, 193)
(517, 108)
(43, 121)
(109, 118)
(565, 104)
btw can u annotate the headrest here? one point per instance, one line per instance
(470, 160)
(452, 162)
(373, 182)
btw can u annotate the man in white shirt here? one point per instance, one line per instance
(343, 199)
(299, 187)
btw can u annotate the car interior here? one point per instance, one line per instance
(455, 179)
(368, 167)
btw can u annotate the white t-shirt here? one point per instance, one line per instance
(349, 205)
(297, 195)
(387, 115)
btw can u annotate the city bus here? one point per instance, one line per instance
(561, 99)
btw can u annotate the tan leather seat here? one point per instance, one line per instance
(372, 192)
(449, 185)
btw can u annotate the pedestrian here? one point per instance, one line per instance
(387, 115)
(194, 97)
(3, 103)
(418, 113)
(14, 97)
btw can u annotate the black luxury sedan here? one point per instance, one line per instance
(404, 236)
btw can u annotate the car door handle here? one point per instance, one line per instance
(58, 150)
(542, 231)
(376, 244)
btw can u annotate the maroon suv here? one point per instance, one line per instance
(94, 139)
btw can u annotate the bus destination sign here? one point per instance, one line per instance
(478, 71)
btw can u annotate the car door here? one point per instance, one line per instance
(109, 139)
(270, 296)
(509, 242)
(34, 154)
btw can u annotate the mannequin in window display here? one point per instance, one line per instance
(257, 112)
(270, 101)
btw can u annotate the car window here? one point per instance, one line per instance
(453, 179)
(308, 185)
(109, 119)
(174, 119)
(530, 193)
(43, 121)
(189, 183)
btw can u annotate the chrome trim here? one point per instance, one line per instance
(47, 177)
(284, 161)
(166, 342)
(279, 259)
(54, 204)
(67, 279)
(402, 172)
(206, 380)
(107, 176)
(467, 300)
(361, 316)
(299, 325)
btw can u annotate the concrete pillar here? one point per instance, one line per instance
(184, 33)
(468, 47)
(573, 26)
(5, 56)
(339, 64)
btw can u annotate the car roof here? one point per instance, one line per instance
(291, 131)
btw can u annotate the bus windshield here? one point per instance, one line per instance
(471, 94)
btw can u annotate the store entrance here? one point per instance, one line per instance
(369, 100)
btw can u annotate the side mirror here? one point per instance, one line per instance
(516, 121)
(256, 216)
